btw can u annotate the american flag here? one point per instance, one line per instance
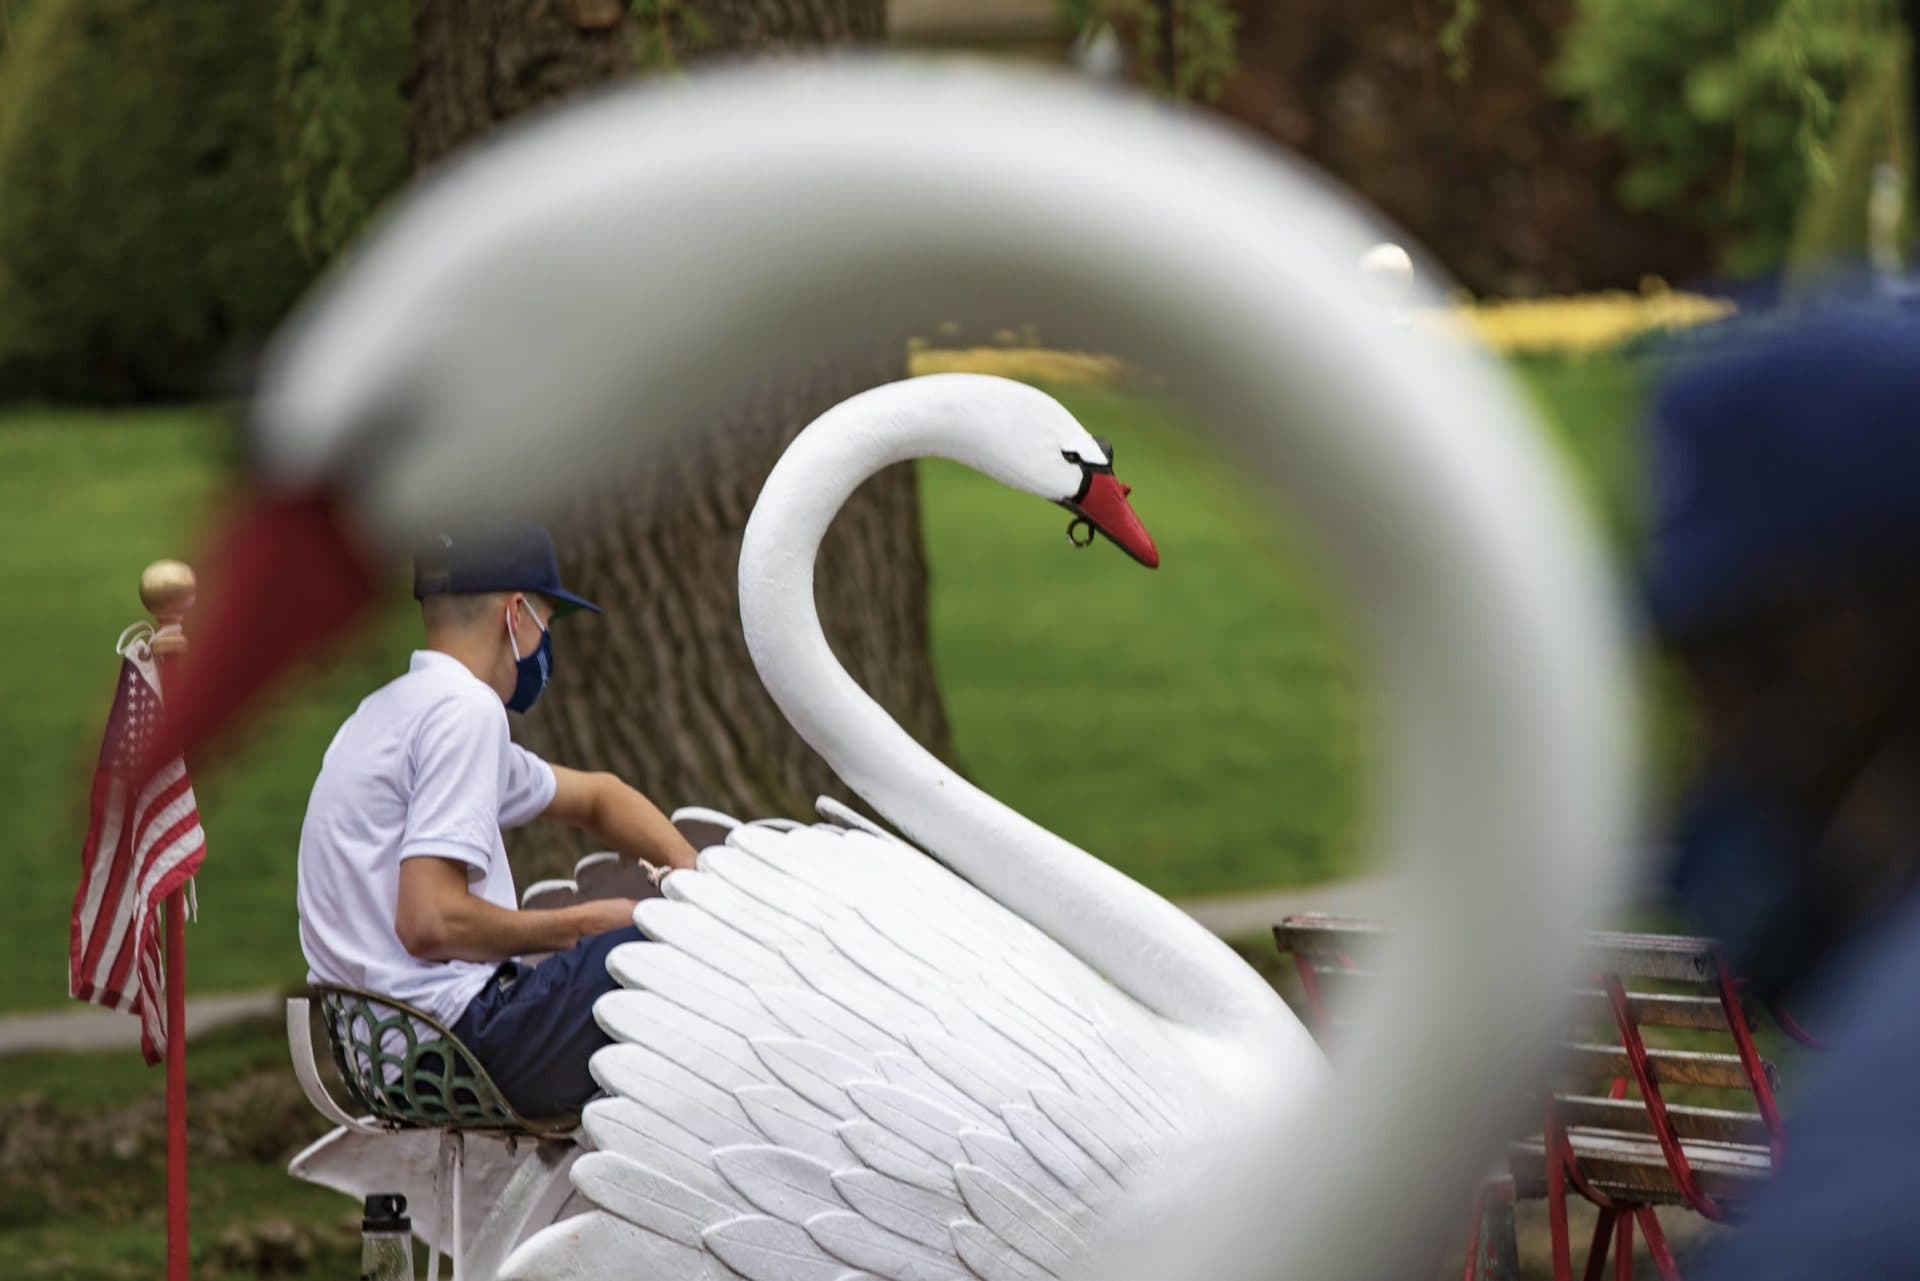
(143, 842)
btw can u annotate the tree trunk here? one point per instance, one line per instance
(661, 690)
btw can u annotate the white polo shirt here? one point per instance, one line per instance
(423, 767)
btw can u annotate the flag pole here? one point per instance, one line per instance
(167, 590)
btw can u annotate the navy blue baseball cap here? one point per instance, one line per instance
(1792, 461)
(511, 556)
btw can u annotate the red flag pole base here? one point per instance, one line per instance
(176, 927)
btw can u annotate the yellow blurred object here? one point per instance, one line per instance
(1586, 323)
(1576, 325)
(1034, 364)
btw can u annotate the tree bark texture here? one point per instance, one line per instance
(479, 62)
(660, 690)
(1495, 172)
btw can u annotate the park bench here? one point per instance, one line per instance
(1630, 1123)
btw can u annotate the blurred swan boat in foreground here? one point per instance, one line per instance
(492, 348)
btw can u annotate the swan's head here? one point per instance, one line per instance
(1027, 440)
(1100, 501)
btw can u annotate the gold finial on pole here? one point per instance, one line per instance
(167, 589)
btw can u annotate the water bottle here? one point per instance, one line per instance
(386, 1239)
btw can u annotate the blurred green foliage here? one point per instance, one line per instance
(667, 32)
(341, 116)
(1725, 111)
(143, 234)
(1205, 39)
(1871, 128)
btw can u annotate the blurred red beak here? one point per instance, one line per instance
(1104, 505)
(285, 580)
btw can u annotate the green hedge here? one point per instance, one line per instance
(143, 220)
(1872, 126)
(342, 118)
(1724, 111)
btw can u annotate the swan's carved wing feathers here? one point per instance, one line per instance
(835, 977)
(1054, 1149)
(879, 1148)
(1018, 1219)
(699, 1045)
(911, 1072)
(581, 1246)
(982, 1250)
(789, 1120)
(916, 1213)
(683, 980)
(1090, 1129)
(624, 1128)
(845, 816)
(816, 1073)
(763, 1248)
(864, 1243)
(704, 1109)
(650, 1199)
(833, 1058)
(708, 940)
(722, 899)
(917, 1120)
(993, 1150)
(778, 1181)
(966, 1069)
(813, 1016)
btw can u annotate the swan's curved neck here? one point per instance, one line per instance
(1137, 940)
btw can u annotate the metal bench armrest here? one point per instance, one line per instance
(306, 1070)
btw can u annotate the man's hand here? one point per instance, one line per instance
(439, 919)
(597, 916)
(619, 817)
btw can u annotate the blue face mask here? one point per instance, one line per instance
(531, 673)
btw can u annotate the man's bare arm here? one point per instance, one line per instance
(439, 919)
(619, 817)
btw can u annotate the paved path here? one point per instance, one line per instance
(92, 1029)
(96, 1029)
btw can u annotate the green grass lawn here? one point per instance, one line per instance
(1199, 726)
(82, 1166)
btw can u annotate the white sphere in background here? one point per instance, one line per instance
(1389, 272)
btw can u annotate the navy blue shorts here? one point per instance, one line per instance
(532, 1027)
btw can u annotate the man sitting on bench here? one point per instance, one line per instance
(404, 887)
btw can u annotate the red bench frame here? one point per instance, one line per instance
(1614, 1229)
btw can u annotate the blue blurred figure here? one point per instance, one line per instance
(1784, 576)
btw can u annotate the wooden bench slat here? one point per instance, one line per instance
(1652, 1009)
(1634, 1168)
(1676, 958)
(1325, 938)
(1651, 956)
(1655, 1009)
(1588, 1061)
(1670, 1067)
(1714, 1125)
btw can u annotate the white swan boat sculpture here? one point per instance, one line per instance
(871, 1067)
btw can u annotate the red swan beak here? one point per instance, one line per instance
(285, 581)
(1103, 504)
